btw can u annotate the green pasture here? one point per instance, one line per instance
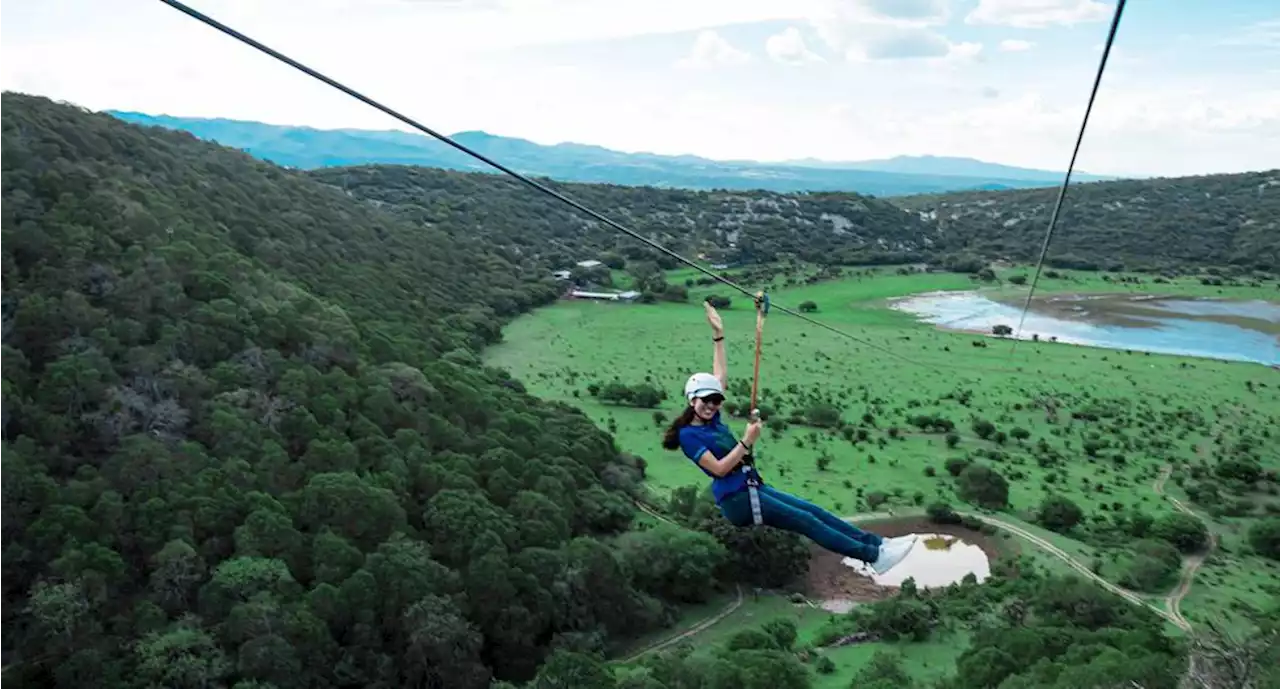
(562, 349)
(900, 368)
(1094, 282)
(926, 661)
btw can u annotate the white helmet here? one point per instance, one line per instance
(701, 385)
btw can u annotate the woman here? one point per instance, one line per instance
(709, 443)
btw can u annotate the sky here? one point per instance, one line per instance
(1191, 86)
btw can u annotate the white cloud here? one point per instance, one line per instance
(788, 47)
(710, 49)
(903, 12)
(1015, 45)
(964, 51)
(457, 25)
(1153, 130)
(610, 80)
(870, 30)
(1263, 34)
(911, 44)
(1038, 14)
(844, 24)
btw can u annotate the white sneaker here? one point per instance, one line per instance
(909, 538)
(892, 551)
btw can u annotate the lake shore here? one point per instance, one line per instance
(1144, 310)
(1231, 330)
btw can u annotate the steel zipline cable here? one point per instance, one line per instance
(200, 16)
(1066, 180)
(209, 21)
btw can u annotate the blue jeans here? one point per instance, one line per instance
(788, 512)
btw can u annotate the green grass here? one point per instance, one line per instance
(926, 662)
(754, 612)
(560, 350)
(1232, 587)
(1093, 282)
(690, 615)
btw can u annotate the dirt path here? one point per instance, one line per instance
(691, 631)
(1081, 568)
(1193, 562)
(695, 629)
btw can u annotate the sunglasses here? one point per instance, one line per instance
(713, 399)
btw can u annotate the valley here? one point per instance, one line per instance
(277, 428)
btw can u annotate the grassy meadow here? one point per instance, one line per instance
(926, 661)
(1111, 418)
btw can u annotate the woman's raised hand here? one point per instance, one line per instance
(713, 317)
(753, 432)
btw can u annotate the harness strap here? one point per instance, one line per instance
(753, 482)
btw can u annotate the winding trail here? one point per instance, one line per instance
(698, 628)
(691, 631)
(1080, 567)
(1193, 562)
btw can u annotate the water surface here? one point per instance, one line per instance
(1211, 328)
(936, 561)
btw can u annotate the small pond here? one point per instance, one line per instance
(1210, 328)
(936, 561)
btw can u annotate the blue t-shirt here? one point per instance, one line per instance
(716, 437)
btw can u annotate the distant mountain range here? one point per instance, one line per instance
(308, 148)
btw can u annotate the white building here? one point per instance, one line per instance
(610, 296)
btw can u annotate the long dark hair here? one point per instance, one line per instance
(671, 438)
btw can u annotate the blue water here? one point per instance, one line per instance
(1163, 334)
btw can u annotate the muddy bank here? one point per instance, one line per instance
(1148, 310)
(1163, 324)
(829, 579)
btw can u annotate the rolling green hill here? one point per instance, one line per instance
(248, 442)
(723, 226)
(1209, 220)
(1185, 224)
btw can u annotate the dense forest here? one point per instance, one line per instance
(247, 438)
(1209, 220)
(1179, 224)
(738, 227)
